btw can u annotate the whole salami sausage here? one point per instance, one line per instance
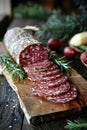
(24, 48)
(33, 56)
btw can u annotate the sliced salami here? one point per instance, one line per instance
(51, 83)
(40, 66)
(51, 68)
(48, 80)
(50, 73)
(42, 71)
(63, 98)
(55, 90)
(44, 77)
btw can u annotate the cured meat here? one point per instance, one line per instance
(55, 90)
(51, 83)
(43, 70)
(40, 66)
(33, 54)
(34, 75)
(45, 79)
(63, 98)
(48, 80)
(24, 48)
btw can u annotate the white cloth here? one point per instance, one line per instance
(5, 7)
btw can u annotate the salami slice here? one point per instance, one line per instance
(52, 82)
(40, 66)
(49, 79)
(63, 98)
(42, 71)
(55, 90)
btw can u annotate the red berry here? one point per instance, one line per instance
(69, 52)
(83, 57)
(54, 43)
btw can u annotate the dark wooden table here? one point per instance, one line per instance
(14, 118)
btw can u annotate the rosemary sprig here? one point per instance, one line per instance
(78, 124)
(64, 66)
(13, 68)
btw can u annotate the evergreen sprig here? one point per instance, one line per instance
(80, 4)
(61, 62)
(78, 124)
(63, 26)
(31, 10)
(12, 67)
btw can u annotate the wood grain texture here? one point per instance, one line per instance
(37, 109)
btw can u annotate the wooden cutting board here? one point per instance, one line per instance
(37, 109)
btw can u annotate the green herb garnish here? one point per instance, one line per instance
(78, 124)
(82, 47)
(61, 62)
(12, 67)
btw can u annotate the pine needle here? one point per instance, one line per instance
(63, 26)
(78, 124)
(31, 10)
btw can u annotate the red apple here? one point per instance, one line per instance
(54, 43)
(69, 52)
(83, 57)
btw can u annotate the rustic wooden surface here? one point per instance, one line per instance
(10, 111)
(34, 107)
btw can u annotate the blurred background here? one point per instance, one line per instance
(36, 9)
(19, 8)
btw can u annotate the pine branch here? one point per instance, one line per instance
(80, 4)
(63, 26)
(12, 67)
(32, 10)
(78, 124)
(61, 62)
